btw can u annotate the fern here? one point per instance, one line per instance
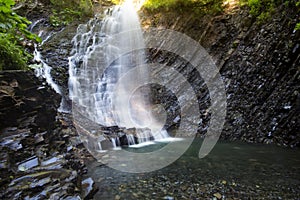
(13, 30)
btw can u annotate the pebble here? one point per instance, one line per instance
(169, 198)
(218, 195)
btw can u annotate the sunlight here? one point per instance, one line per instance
(137, 4)
(230, 5)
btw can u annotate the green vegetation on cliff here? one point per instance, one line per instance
(260, 9)
(64, 12)
(196, 6)
(13, 34)
(264, 9)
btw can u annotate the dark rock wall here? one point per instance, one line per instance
(39, 158)
(263, 94)
(260, 66)
(26, 103)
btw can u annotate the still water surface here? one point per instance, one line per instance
(233, 170)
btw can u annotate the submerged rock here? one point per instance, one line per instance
(88, 188)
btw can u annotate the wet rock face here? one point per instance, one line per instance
(261, 74)
(168, 98)
(259, 64)
(263, 93)
(39, 156)
(26, 103)
(56, 52)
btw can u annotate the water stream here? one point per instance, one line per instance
(42, 69)
(99, 81)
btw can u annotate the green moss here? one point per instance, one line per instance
(64, 12)
(297, 27)
(235, 44)
(264, 9)
(197, 7)
(64, 17)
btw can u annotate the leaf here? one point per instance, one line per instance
(9, 25)
(5, 9)
(9, 3)
(22, 26)
(2, 26)
(13, 29)
(38, 39)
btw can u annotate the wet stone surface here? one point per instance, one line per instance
(258, 62)
(40, 157)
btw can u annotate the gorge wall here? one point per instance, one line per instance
(259, 62)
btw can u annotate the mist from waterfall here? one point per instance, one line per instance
(99, 80)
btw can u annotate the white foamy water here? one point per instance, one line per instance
(99, 81)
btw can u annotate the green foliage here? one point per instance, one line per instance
(263, 9)
(155, 4)
(297, 27)
(86, 6)
(194, 6)
(13, 31)
(116, 2)
(67, 11)
(64, 17)
(11, 23)
(12, 55)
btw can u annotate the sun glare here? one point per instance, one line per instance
(137, 4)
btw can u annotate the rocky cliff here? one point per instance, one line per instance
(259, 62)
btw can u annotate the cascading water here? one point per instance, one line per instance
(43, 69)
(97, 65)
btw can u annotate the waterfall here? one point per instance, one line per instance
(94, 87)
(130, 139)
(43, 69)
